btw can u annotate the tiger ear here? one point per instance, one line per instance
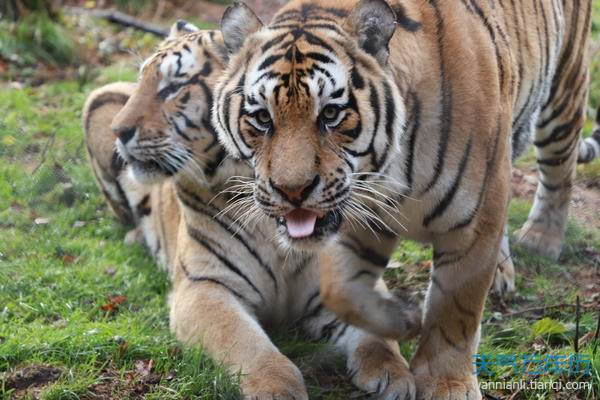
(373, 23)
(181, 28)
(238, 22)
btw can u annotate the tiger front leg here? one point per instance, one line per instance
(210, 314)
(351, 271)
(464, 267)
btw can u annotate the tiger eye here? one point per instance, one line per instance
(263, 117)
(329, 112)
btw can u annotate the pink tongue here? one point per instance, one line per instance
(300, 223)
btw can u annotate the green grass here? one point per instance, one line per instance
(55, 277)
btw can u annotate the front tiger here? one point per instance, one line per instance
(365, 122)
(228, 278)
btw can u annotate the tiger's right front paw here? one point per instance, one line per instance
(276, 379)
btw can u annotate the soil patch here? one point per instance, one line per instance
(29, 381)
(585, 201)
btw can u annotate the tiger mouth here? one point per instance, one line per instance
(301, 224)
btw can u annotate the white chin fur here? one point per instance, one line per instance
(302, 245)
(145, 177)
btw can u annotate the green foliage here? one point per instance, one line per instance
(132, 6)
(548, 326)
(36, 37)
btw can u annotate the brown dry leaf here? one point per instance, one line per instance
(68, 258)
(113, 303)
(118, 299)
(426, 264)
(108, 307)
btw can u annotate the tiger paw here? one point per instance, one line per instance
(277, 379)
(134, 236)
(377, 369)
(441, 388)
(504, 279)
(541, 237)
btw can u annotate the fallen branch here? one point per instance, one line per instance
(538, 309)
(120, 18)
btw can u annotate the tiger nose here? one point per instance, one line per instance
(124, 134)
(296, 194)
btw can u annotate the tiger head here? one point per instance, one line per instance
(310, 102)
(165, 126)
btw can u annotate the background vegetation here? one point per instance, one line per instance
(82, 316)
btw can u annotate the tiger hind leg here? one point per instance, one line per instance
(589, 148)
(557, 144)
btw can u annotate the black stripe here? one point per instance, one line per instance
(559, 132)
(340, 334)
(390, 118)
(143, 208)
(270, 61)
(319, 57)
(479, 11)
(200, 207)
(445, 101)
(566, 56)
(365, 253)
(213, 280)
(102, 100)
(415, 119)
(404, 21)
(489, 170)
(449, 196)
(202, 240)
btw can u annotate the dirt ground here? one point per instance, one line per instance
(585, 201)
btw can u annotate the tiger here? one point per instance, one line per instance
(368, 121)
(168, 177)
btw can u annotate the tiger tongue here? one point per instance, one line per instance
(300, 222)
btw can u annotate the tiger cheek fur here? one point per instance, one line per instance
(445, 101)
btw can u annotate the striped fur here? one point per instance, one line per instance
(228, 278)
(589, 148)
(409, 132)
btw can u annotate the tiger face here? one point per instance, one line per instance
(166, 125)
(309, 101)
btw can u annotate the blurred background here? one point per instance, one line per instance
(84, 316)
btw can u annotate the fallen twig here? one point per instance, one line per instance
(596, 335)
(577, 318)
(543, 308)
(47, 146)
(120, 18)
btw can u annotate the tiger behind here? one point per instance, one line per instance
(228, 278)
(403, 121)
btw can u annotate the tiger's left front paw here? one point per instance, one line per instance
(442, 388)
(385, 375)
